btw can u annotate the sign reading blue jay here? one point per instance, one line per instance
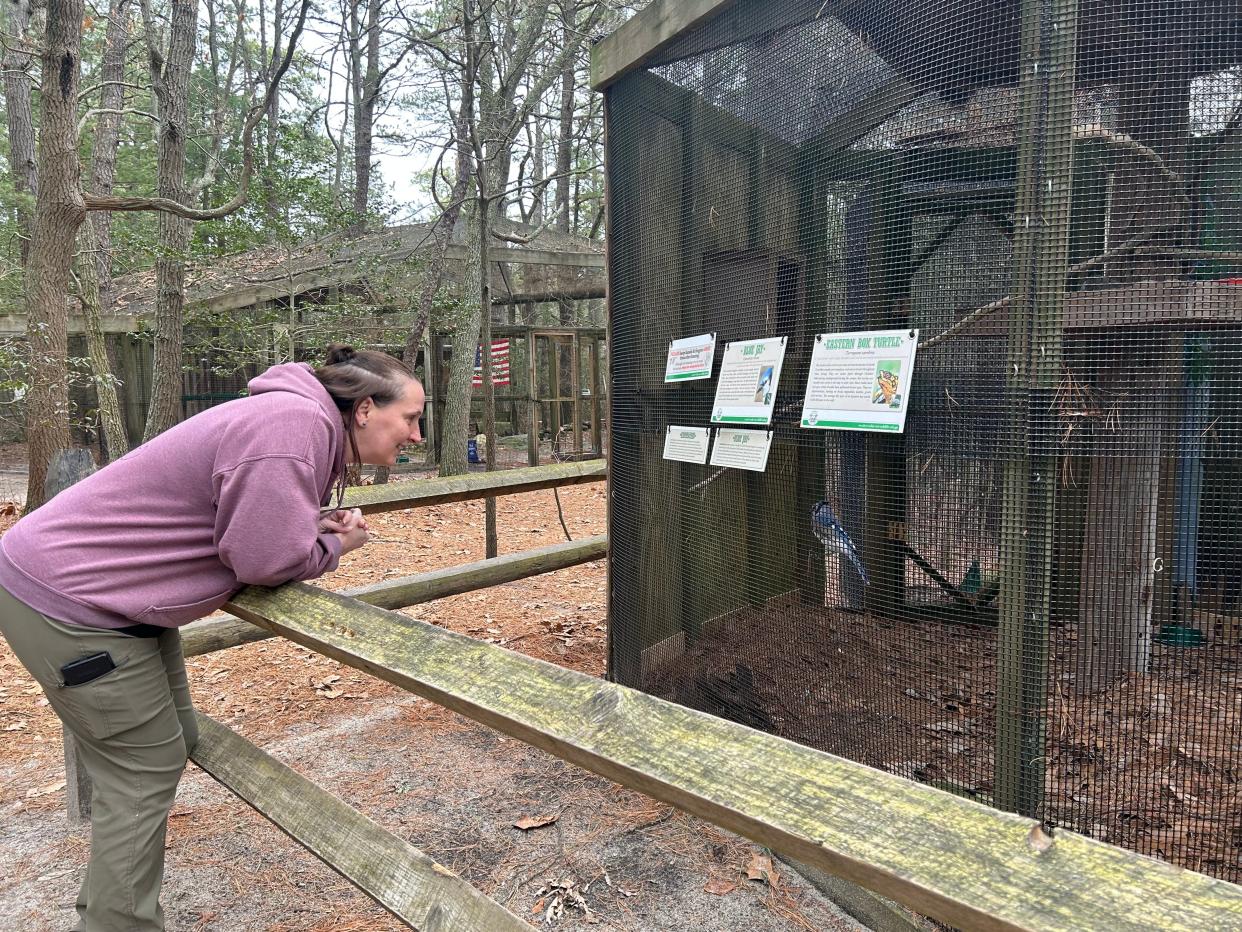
(830, 532)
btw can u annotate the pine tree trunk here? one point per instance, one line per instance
(20, 113)
(443, 232)
(112, 424)
(59, 211)
(172, 84)
(95, 270)
(455, 417)
(564, 161)
(271, 206)
(465, 341)
(365, 71)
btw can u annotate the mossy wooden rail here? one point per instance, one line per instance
(946, 857)
(398, 876)
(394, 495)
(222, 632)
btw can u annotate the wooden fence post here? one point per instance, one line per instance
(68, 467)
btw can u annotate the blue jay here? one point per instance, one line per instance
(830, 532)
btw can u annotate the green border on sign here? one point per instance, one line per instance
(850, 425)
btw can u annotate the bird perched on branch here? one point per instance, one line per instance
(830, 532)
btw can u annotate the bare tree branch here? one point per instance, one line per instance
(97, 202)
(97, 111)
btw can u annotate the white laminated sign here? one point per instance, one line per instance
(860, 381)
(749, 374)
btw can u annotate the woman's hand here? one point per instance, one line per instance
(348, 525)
(353, 538)
(341, 521)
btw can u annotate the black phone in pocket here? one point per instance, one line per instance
(84, 669)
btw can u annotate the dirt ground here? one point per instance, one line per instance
(611, 858)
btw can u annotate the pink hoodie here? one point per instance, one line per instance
(169, 532)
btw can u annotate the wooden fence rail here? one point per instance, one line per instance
(402, 879)
(423, 492)
(943, 856)
(222, 631)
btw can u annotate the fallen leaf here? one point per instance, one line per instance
(526, 823)
(760, 868)
(45, 790)
(720, 886)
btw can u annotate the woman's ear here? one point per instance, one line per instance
(362, 413)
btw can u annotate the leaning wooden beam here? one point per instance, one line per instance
(402, 879)
(422, 492)
(662, 23)
(946, 857)
(221, 632)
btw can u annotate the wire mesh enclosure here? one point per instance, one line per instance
(1031, 595)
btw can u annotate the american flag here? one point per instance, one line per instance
(500, 364)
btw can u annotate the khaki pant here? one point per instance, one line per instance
(135, 727)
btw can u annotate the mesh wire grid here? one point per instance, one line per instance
(1050, 193)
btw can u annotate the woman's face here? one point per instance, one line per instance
(381, 432)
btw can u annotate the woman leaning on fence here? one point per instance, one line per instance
(97, 581)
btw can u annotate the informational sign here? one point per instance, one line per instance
(742, 449)
(690, 358)
(686, 444)
(860, 381)
(749, 374)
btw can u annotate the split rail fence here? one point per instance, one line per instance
(941, 855)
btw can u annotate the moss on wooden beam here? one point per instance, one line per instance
(950, 858)
(394, 873)
(222, 632)
(422, 492)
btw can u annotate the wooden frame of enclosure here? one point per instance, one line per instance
(941, 855)
(684, 137)
(549, 344)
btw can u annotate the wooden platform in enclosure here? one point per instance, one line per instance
(1175, 305)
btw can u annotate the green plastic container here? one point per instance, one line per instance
(1180, 636)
